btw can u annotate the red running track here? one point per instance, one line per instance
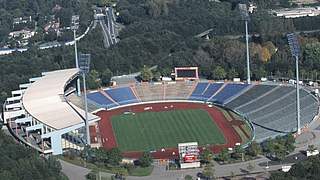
(109, 140)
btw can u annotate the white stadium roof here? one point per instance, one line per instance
(44, 100)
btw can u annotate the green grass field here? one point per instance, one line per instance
(155, 130)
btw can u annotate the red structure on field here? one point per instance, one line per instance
(109, 141)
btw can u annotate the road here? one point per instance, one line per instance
(74, 172)
(233, 37)
(259, 165)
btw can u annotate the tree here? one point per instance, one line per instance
(218, 73)
(91, 176)
(156, 76)
(312, 55)
(254, 149)
(238, 152)
(93, 80)
(308, 169)
(258, 73)
(289, 142)
(145, 160)
(224, 155)
(115, 156)
(280, 151)
(101, 155)
(208, 171)
(146, 74)
(206, 156)
(232, 73)
(106, 77)
(20, 162)
(87, 153)
(265, 54)
(270, 46)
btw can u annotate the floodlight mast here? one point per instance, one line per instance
(295, 51)
(248, 60)
(74, 27)
(84, 65)
(245, 16)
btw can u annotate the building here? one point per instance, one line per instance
(296, 12)
(39, 115)
(24, 34)
(22, 20)
(52, 26)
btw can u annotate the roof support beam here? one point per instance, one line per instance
(23, 120)
(35, 127)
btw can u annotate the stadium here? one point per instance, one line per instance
(46, 113)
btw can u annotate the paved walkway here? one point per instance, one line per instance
(74, 172)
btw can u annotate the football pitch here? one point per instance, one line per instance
(148, 131)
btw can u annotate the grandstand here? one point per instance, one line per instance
(39, 115)
(228, 91)
(45, 113)
(271, 108)
(122, 95)
(102, 100)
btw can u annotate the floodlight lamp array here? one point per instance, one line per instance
(84, 62)
(293, 44)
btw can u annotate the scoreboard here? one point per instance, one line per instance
(189, 155)
(186, 73)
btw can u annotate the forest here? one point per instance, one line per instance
(20, 162)
(162, 32)
(156, 32)
(42, 12)
(303, 170)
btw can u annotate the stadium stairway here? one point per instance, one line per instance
(274, 103)
(109, 97)
(122, 95)
(219, 90)
(264, 99)
(248, 96)
(254, 98)
(177, 90)
(149, 91)
(228, 91)
(212, 90)
(133, 89)
(193, 88)
(198, 91)
(238, 94)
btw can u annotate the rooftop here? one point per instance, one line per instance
(44, 100)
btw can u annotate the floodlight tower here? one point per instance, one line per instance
(84, 65)
(295, 51)
(74, 27)
(245, 17)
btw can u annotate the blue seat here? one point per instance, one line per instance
(123, 95)
(198, 91)
(100, 99)
(228, 91)
(213, 88)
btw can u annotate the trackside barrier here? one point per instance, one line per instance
(247, 121)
